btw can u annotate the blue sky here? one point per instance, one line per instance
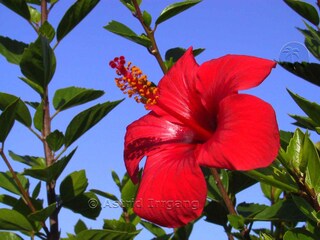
(258, 28)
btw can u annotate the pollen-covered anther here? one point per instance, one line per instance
(134, 83)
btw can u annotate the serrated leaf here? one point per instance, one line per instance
(118, 226)
(87, 204)
(307, 71)
(9, 236)
(38, 62)
(174, 9)
(28, 160)
(43, 214)
(305, 10)
(52, 172)
(298, 234)
(55, 140)
(22, 112)
(73, 96)
(47, 31)
(13, 220)
(79, 227)
(124, 31)
(85, 120)
(154, 229)
(73, 185)
(74, 15)
(18, 6)
(7, 182)
(7, 118)
(105, 194)
(11, 49)
(106, 234)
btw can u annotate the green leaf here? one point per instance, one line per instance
(265, 236)
(270, 192)
(8, 200)
(118, 226)
(285, 138)
(73, 185)
(307, 71)
(9, 236)
(22, 112)
(129, 5)
(106, 234)
(43, 214)
(35, 15)
(38, 117)
(249, 210)
(47, 31)
(87, 204)
(124, 31)
(36, 190)
(311, 156)
(74, 15)
(305, 122)
(7, 120)
(174, 9)
(55, 140)
(18, 6)
(239, 181)
(236, 221)
(85, 120)
(147, 19)
(105, 194)
(13, 220)
(183, 232)
(38, 62)
(12, 50)
(216, 213)
(52, 172)
(176, 53)
(128, 193)
(305, 10)
(116, 179)
(154, 229)
(28, 160)
(73, 96)
(298, 234)
(80, 226)
(33, 85)
(305, 208)
(7, 182)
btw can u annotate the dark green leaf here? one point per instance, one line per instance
(73, 185)
(124, 31)
(43, 214)
(8, 200)
(86, 120)
(38, 117)
(236, 221)
(270, 192)
(305, 208)
(80, 226)
(116, 179)
(118, 226)
(36, 190)
(285, 138)
(128, 193)
(18, 6)
(38, 62)
(33, 85)
(176, 53)
(154, 229)
(75, 14)
(307, 71)
(7, 182)
(22, 112)
(7, 120)
(9, 236)
(87, 204)
(249, 210)
(305, 10)
(298, 234)
(183, 232)
(13, 220)
(147, 19)
(47, 31)
(50, 173)
(12, 50)
(28, 160)
(72, 96)
(239, 181)
(216, 213)
(305, 122)
(311, 156)
(106, 234)
(55, 140)
(174, 9)
(105, 194)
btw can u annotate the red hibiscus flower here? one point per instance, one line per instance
(198, 118)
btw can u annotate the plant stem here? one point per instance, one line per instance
(150, 33)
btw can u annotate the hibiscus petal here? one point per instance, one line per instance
(221, 77)
(173, 189)
(149, 133)
(247, 135)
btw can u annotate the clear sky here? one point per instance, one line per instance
(258, 28)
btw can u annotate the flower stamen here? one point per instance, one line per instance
(133, 82)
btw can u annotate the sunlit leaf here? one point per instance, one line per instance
(174, 9)
(74, 15)
(73, 185)
(147, 19)
(9, 236)
(11, 49)
(311, 156)
(35, 15)
(13, 220)
(47, 31)
(298, 234)
(7, 182)
(236, 221)
(86, 120)
(43, 214)
(28, 160)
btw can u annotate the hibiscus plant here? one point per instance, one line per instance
(202, 139)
